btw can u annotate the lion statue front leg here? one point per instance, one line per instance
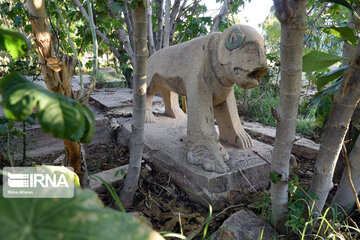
(202, 146)
(230, 127)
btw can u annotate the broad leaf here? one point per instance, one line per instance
(61, 116)
(316, 100)
(316, 61)
(330, 76)
(342, 32)
(81, 217)
(341, 2)
(13, 42)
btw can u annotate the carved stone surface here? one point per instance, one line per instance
(245, 225)
(164, 142)
(205, 70)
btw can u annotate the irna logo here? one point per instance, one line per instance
(19, 180)
(39, 182)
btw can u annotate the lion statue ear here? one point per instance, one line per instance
(231, 39)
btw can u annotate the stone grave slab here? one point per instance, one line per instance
(164, 142)
(303, 147)
(111, 176)
(109, 98)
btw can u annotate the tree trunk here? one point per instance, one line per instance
(292, 15)
(167, 24)
(129, 23)
(344, 195)
(177, 16)
(344, 104)
(159, 35)
(150, 28)
(57, 75)
(220, 16)
(139, 95)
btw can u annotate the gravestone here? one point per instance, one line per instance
(164, 148)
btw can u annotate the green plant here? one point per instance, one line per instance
(57, 114)
(81, 217)
(305, 224)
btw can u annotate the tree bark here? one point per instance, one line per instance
(344, 104)
(292, 16)
(167, 24)
(217, 19)
(129, 23)
(150, 28)
(57, 75)
(159, 35)
(139, 96)
(344, 195)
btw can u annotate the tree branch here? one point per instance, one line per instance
(98, 32)
(283, 10)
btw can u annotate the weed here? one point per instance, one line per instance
(255, 105)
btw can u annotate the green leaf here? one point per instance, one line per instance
(61, 116)
(81, 217)
(341, 2)
(342, 32)
(275, 177)
(13, 42)
(330, 76)
(320, 96)
(316, 61)
(3, 130)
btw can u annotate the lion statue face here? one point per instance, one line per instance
(242, 52)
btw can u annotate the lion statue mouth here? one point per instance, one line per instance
(257, 74)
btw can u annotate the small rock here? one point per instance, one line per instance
(245, 225)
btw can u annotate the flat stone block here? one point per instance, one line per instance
(109, 98)
(164, 142)
(303, 147)
(245, 225)
(110, 176)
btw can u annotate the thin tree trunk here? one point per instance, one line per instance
(174, 12)
(150, 28)
(167, 24)
(178, 18)
(98, 32)
(139, 94)
(344, 195)
(223, 12)
(292, 16)
(129, 23)
(122, 34)
(344, 104)
(57, 75)
(159, 35)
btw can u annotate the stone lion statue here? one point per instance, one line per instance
(205, 70)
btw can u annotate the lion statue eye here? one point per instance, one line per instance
(235, 39)
(251, 47)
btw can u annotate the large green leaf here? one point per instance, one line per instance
(81, 217)
(342, 32)
(61, 116)
(330, 76)
(316, 60)
(321, 95)
(13, 42)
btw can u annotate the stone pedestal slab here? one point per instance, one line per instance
(164, 141)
